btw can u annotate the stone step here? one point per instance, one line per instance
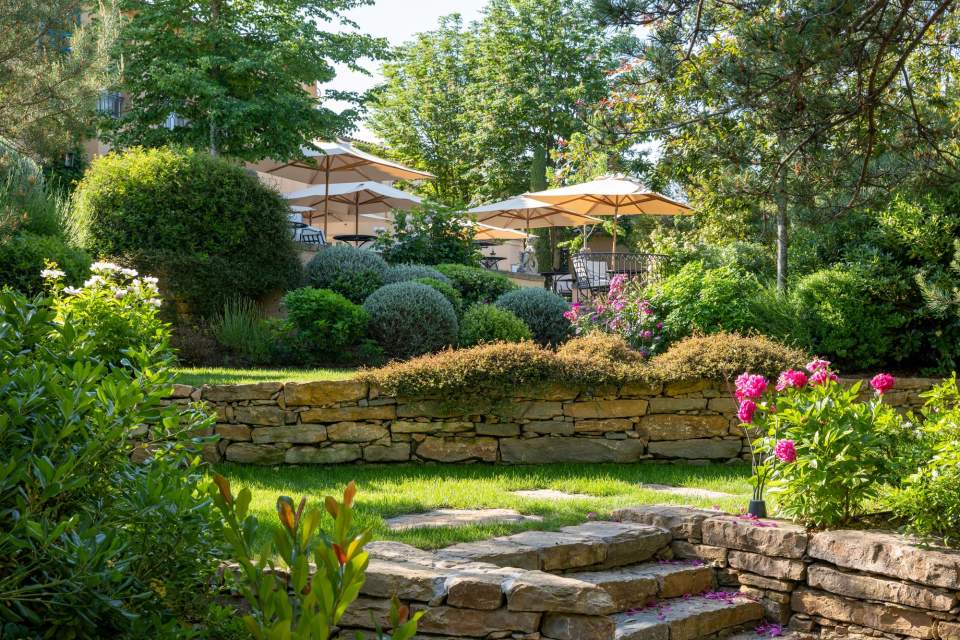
(690, 618)
(636, 586)
(595, 545)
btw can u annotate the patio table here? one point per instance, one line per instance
(356, 238)
(491, 262)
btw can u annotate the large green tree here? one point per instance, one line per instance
(53, 62)
(791, 111)
(482, 106)
(238, 75)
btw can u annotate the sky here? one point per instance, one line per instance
(398, 21)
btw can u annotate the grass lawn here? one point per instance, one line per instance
(391, 490)
(197, 376)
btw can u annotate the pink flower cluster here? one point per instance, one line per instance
(822, 376)
(882, 382)
(785, 451)
(791, 379)
(749, 385)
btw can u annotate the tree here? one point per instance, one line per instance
(422, 110)
(482, 107)
(51, 69)
(799, 110)
(237, 77)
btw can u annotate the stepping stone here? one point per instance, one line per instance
(459, 518)
(551, 494)
(687, 618)
(633, 587)
(690, 492)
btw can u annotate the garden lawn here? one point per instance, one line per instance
(198, 376)
(390, 490)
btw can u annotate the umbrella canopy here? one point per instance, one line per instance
(483, 231)
(612, 196)
(355, 198)
(526, 213)
(337, 162)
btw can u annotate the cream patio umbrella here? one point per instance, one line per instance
(335, 163)
(526, 213)
(354, 197)
(612, 196)
(483, 231)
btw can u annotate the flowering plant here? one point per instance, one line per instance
(823, 450)
(116, 306)
(622, 311)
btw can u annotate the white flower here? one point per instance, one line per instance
(104, 267)
(71, 291)
(155, 302)
(150, 280)
(130, 273)
(119, 294)
(93, 281)
(52, 274)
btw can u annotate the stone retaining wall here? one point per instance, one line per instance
(347, 421)
(871, 583)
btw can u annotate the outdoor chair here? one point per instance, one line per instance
(312, 238)
(595, 270)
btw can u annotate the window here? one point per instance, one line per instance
(110, 104)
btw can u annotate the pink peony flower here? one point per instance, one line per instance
(817, 365)
(750, 386)
(791, 379)
(882, 382)
(746, 410)
(821, 376)
(785, 451)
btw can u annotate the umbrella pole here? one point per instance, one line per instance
(326, 198)
(356, 211)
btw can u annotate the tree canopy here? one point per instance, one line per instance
(51, 69)
(796, 110)
(235, 77)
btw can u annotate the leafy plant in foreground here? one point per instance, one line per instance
(294, 600)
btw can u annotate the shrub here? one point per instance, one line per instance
(409, 319)
(825, 453)
(100, 546)
(842, 313)
(543, 311)
(484, 323)
(447, 291)
(721, 356)
(207, 228)
(410, 272)
(352, 272)
(476, 284)
(929, 502)
(601, 347)
(622, 311)
(697, 299)
(338, 559)
(327, 322)
(430, 234)
(242, 327)
(23, 256)
(118, 309)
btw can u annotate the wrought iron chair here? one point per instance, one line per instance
(595, 270)
(312, 238)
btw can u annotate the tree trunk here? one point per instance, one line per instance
(782, 221)
(214, 130)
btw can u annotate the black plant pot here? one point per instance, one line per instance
(757, 508)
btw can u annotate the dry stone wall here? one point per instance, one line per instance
(337, 422)
(868, 583)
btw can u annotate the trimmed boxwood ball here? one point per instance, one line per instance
(448, 292)
(207, 228)
(484, 323)
(542, 311)
(476, 284)
(411, 272)
(351, 272)
(409, 319)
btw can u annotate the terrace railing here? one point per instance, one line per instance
(594, 270)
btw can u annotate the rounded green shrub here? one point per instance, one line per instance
(483, 323)
(22, 258)
(722, 355)
(208, 229)
(476, 284)
(411, 272)
(409, 319)
(327, 321)
(447, 291)
(542, 311)
(843, 315)
(352, 272)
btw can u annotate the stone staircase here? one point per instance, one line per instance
(595, 581)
